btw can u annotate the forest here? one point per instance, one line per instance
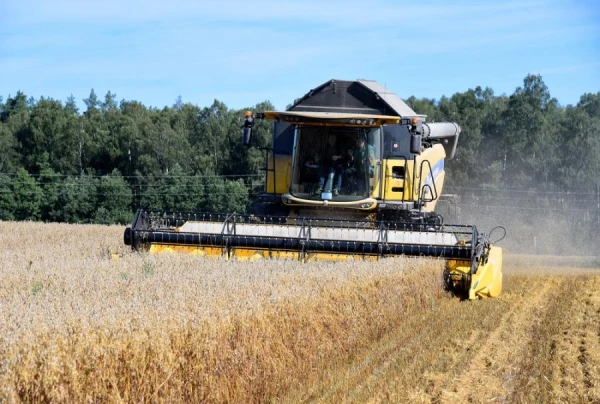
(99, 165)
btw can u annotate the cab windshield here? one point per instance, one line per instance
(336, 163)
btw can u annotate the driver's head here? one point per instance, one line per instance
(360, 142)
(332, 139)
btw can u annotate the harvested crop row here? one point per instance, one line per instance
(572, 364)
(428, 358)
(536, 342)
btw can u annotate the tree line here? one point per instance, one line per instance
(62, 164)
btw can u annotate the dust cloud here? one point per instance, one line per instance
(549, 224)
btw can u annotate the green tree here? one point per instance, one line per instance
(27, 197)
(424, 106)
(468, 109)
(225, 196)
(14, 106)
(108, 152)
(580, 149)
(133, 117)
(590, 103)
(47, 125)
(7, 199)
(113, 202)
(110, 102)
(71, 106)
(15, 125)
(76, 200)
(174, 191)
(164, 146)
(49, 183)
(92, 103)
(211, 139)
(9, 158)
(528, 136)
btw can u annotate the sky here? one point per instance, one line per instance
(246, 52)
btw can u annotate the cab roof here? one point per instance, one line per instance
(364, 97)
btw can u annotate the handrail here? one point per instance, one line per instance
(434, 193)
(269, 149)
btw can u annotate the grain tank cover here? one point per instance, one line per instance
(353, 97)
(399, 107)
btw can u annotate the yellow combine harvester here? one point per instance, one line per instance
(354, 173)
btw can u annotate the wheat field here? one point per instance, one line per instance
(78, 325)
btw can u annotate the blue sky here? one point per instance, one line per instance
(244, 52)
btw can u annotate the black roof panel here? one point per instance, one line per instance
(356, 97)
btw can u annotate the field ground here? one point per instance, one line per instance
(77, 325)
(539, 342)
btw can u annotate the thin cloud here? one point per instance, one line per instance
(569, 68)
(338, 12)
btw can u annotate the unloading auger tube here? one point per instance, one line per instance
(473, 268)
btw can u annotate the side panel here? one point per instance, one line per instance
(397, 180)
(397, 167)
(487, 281)
(404, 179)
(280, 176)
(430, 174)
(283, 138)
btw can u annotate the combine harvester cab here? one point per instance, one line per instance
(354, 173)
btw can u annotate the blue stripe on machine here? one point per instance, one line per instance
(435, 171)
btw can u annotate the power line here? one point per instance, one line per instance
(132, 187)
(508, 190)
(539, 209)
(220, 189)
(137, 176)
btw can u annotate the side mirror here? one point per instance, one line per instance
(415, 144)
(247, 129)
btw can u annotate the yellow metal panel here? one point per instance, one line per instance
(424, 163)
(282, 174)
(487, 281)
(375, 183)
(458, 266)
(389, 183)
(253, 254)
(194, 250)
(338, 257)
